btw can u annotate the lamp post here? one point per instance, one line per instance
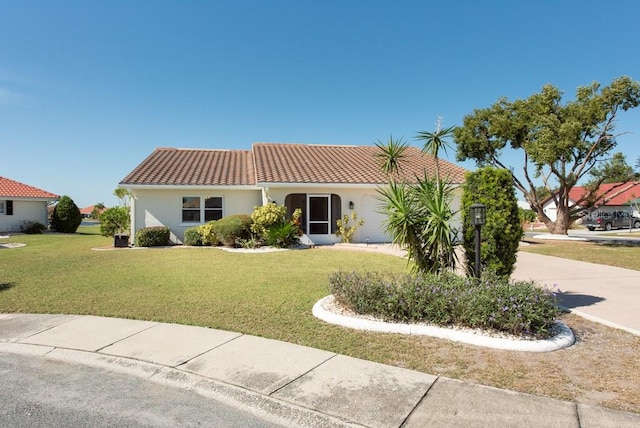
(478, 219)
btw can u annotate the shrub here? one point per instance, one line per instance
(66, 217)
(229, 230)
(207, 233)
(283, 235)
(32, 227)
(492, 302)
(526, 216)
(114, 220)
(346, 231)
(192, 236)
(502, 232)
(156, 236)
(266, 216)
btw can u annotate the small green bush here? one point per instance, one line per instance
(66, 217)
(208, 234)
(494, 303)
(32, 227)
(283, 235)
(192, 236)
(156, 236)
(231, 229)
(114, 220)
(266, 216)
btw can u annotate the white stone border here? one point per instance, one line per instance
(8, 245)
(563, 339)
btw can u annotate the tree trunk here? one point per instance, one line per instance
(562, 223)
(558, 227)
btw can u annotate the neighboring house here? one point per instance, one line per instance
(609, 197)
(20, 203)
(87, 211)
(182, 188)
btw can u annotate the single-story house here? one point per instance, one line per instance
(182, 188)
(87, 211)
(609, 197)
(20, 203)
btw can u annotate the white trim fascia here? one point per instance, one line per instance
(333, 185)
(321, 185)
(188, 187)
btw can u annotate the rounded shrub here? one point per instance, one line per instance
(66, 217)
(156, 236)
(208, 234)
(192, 236)
(229, 230)
(32, 227)
(114, 220)
(501, 235)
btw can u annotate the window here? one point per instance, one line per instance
(196, 208)
(1, 207)
(212, 209)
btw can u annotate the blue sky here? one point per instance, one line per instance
(89, 89)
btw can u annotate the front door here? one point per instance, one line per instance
(319, 214)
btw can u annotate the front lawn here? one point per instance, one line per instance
(271, 295)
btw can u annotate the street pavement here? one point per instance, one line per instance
(293, 385)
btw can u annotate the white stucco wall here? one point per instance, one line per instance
(24, 210)
(366, 205)
(161, 207)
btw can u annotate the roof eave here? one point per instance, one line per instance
(189, 186)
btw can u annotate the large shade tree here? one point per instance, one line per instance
(560, 142)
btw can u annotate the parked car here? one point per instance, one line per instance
(608, 220)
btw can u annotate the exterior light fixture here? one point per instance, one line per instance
(351, 205)
(478, 219)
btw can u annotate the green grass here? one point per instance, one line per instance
(265, 294)
(604, 253)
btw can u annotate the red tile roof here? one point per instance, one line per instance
(614, 194)
(88, 210)
(166, 166)
(14, 189)
(271, 163)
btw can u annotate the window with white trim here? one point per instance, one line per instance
(201, 209)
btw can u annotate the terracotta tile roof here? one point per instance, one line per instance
(615, 193)
(167, 166)
(88, 210)
(279, 163)
(13, 189)
(299, 163)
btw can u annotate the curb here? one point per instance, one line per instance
(263, 406)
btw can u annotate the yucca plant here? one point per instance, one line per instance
(418, 219)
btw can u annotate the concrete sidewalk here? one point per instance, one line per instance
(284, 383)
(605, 294)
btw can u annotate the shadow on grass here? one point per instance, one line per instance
(574, 300)
(6, 285)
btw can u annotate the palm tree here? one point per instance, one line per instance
(391, 154)
(434, 142)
